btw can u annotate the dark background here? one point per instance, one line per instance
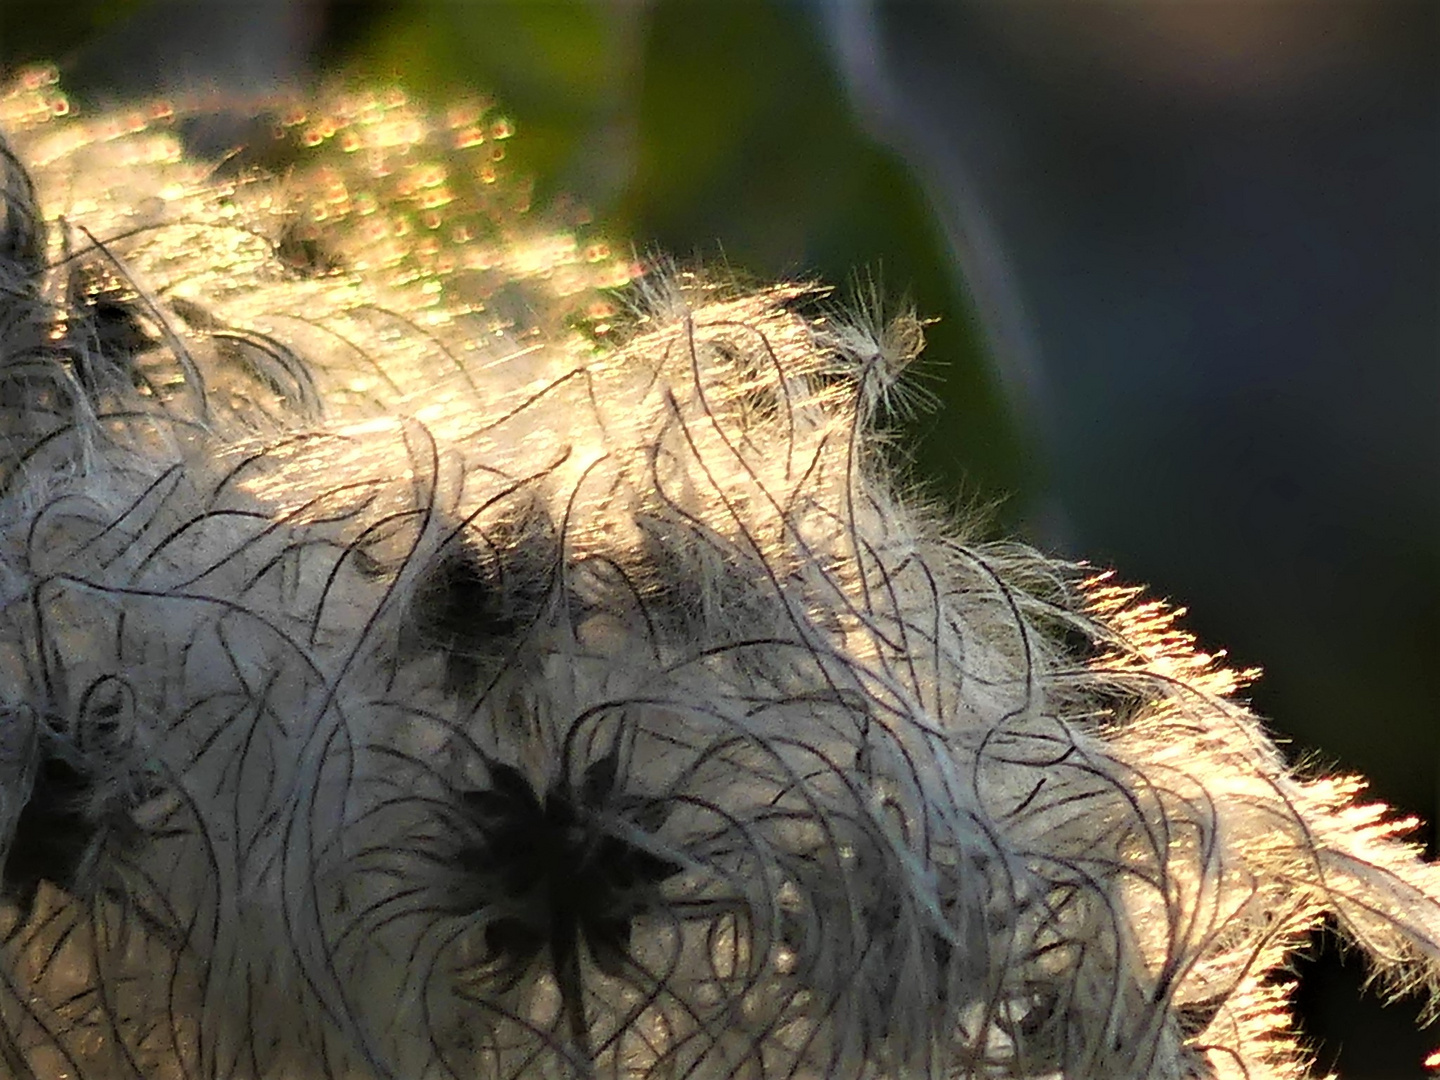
(1185, 258)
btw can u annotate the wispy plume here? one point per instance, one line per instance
(435, 647)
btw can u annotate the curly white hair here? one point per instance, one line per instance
(416, 661)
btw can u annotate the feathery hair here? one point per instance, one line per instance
(432, 650)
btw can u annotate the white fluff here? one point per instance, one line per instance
(416, 664)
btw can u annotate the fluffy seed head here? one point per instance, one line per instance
(421, 659)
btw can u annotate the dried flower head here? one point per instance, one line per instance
(417, 662)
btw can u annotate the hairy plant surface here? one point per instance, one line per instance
(421, 658)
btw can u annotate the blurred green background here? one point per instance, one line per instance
(1219, 220)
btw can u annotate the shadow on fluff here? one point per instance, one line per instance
(418, 662)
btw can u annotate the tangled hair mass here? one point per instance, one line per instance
(431, 648)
